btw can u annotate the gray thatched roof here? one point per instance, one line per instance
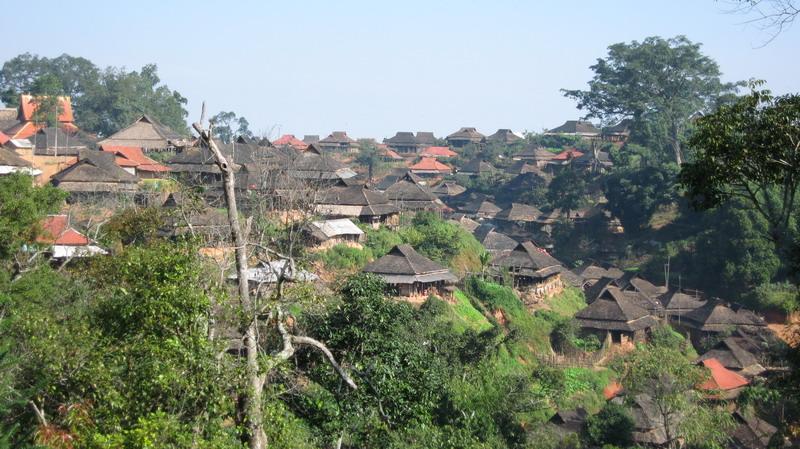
(467, 133)
(404, 265)
(448, 188)
(519, 212)
(731, 354)
(718, 317)
(11, 159)
(677, 302)
(94, 167)
(505, 136)
(56, 141)
(371, 202)
(528, 260)
(147, 133)
(425, 139)
(751, 431)
(593, 272)
(410, 195)
(614, 310)
(494, 242)
(404, 138)
(578, 127)
(477, 166)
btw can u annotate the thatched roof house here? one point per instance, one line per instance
(338, 142)
(496, 243)
(465, 222)
(58, 142)
(619, 132)
(95, 173)
(465, 136)
(314, 165)
(10, 162)
(332, 232)
(678, 302)
(531, 267)
(409, 272)
(369, 206)
(448, 188)
(148, 134)
(751, 432)
(734, 355)
(505, 137)
(480, 208)
(410, 195)
(576, 128)
(396, 175)
(717, 317)
(618, 314)
(477, 167)
(592, 272)
(404, 142)
(520, 213)
(425, 139)
(569, 421)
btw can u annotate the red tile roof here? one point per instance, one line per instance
(134, 157)
(290, 140)
(568, 154)
(27, 106)
(56, 231)
(4, 138)
(391, 154)
(721, 378)
(431, 164)
(24, 130)
(438, 152)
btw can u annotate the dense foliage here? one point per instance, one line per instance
(104, 100)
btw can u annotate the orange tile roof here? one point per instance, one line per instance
(391, 154)
(438, 152)
(134, 157)
(56, 231)
(568, 154)
(291, 140)
(27, 106)
(24, 130)
(4, 138)
(721, 378)
(431, 164)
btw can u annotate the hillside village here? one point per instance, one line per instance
(352, 205)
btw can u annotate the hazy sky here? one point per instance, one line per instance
(373, 67)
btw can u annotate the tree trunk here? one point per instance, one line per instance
(253, 414)
(675, 143)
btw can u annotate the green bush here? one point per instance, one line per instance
(343, 257)
(612, 426)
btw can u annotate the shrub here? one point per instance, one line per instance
(343, 257)
(613, 425)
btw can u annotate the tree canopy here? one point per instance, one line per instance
(105, 100)
(659, 84)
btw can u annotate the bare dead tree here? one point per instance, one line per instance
(258, 368)
(772, 16)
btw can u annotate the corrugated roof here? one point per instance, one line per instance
(333, 228)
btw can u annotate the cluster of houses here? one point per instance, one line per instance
(143, 162)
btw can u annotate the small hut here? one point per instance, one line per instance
(477, 167)
(403, 142)
(575, 128)
(328, 233)
(410, 273)
(148, 134)
(496, 243)
(464, 137)
(533, 270)
(448, 188)
(734, 354)
(367, 205)
(505, 137)
(722, 383)
(410, 195)
(95, 175)
(616, 314)
(338, 142)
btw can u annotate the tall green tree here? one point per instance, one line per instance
(634, 195)
(104, 100)
(568, 190)
(659, 84)
(22, 206)
(228, 126)
(750, 150)
(669, 379)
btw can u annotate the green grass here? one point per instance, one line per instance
(568, 303)
(464, 316)
(583, 387)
